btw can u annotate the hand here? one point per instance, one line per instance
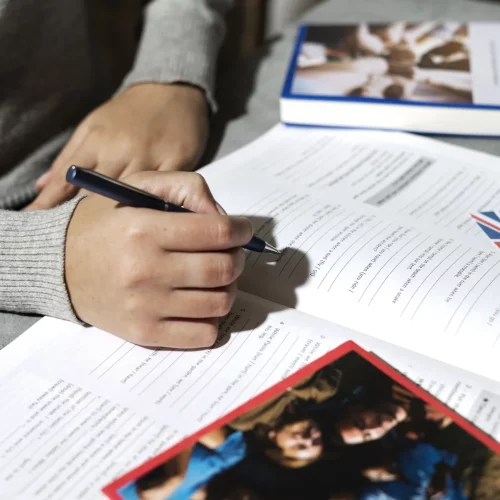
(155, 278)
(146, 127)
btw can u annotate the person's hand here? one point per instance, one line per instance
(154, 278)
(146, 127)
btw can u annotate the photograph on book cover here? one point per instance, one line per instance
(422, 62)
(345, 427)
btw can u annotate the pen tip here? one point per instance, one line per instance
(270, 249)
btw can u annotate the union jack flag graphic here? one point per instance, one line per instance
(489, 222)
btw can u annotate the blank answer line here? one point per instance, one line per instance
(316, 241)
(356, 253)
(328, 221)
(290, 214)
(116, 362)
(395, 267)
(264, 367)
(418, 196)
(442, 198)
(470, 291)
(346, 250)
(472, 206)
(262, 200)
(274, 200)
(427, 277)
(209, 381)
(388, 260)
(479, 185)
(474, 303)
(147, 374)
(434, 284)
(312, 207)
(277, 365)
(112, 354)
(161, 373)
(251, 380)
(186, 391)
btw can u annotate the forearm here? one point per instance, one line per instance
(180, 43)
(32, 248)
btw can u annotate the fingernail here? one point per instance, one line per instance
(220, 209)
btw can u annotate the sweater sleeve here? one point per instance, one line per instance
(180, 43)
(32, 248)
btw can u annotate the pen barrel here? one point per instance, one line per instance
(110, 188)
(95, 182)
(255, 245)
(170, 207)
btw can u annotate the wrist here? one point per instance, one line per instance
(185, 91)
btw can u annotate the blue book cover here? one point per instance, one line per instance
(435, 77)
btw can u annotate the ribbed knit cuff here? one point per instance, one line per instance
(180, 43)
(32, 250)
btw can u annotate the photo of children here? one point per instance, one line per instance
(347, 431)
(426, 61)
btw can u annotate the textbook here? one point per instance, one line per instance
(379, 248)
(345, 427)
(426, 77)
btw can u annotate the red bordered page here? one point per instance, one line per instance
(346, 426)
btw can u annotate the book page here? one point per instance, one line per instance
(473, 397)
(378, 236)
(329, 431)
(81, 407)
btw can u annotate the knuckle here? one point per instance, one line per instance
(90, 125)
(239, 262)
(136, 233)
(141, 333)
(223, 231)
(207, 336)
(248, 228)
(199, 181)
(133, 271)
(225, 272)
(132, 306)
(224, 303)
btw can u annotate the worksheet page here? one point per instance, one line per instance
(377, 236)
(81, 407)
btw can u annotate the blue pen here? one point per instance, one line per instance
(95, 182)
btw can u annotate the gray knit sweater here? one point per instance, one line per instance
(58, 60)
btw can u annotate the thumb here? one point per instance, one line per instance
(187, 189)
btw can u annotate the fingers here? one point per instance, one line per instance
(63, 159)
(206, 270)
(197, 303)
(55, 193)
(182, 232)
(178, 333)
(54, 188)
(183, 270)
(181, 188)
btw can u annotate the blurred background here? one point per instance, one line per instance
(252, 22)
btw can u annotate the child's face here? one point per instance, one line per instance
(299, 440)
(362, 424)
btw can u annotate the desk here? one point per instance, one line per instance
(249, 91)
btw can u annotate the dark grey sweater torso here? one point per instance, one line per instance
(58, 60)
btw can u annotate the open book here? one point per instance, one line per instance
(345, 427)
(380, 249)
